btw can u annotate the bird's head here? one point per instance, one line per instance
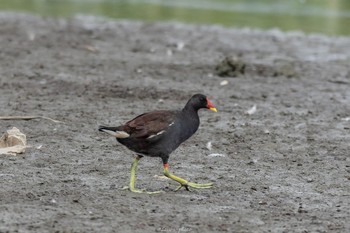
(199, 101)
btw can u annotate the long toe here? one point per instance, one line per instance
(147, 192)
(200, 186)
(142, 191)
(194, 185)
(154, 192)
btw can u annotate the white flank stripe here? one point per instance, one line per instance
(154, 135)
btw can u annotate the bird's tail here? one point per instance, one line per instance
(114, 131)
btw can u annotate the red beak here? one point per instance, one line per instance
(210, 106)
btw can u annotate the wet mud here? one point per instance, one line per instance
(282, 168)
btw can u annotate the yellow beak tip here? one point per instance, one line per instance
(213, 109)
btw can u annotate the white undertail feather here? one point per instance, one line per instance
(117, 134)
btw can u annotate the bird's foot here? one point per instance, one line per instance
(141, 190)
(194, 185)
(183, 182)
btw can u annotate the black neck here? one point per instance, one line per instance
(190, 109)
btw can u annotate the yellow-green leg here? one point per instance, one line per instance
(132, 178)
(184, 183)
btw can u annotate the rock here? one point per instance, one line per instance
(230, 67)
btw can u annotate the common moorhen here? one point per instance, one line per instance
(158, 133)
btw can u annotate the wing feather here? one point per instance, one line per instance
(148, 124)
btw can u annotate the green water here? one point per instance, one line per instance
(330, 17)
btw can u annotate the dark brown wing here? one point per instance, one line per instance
(149, 124)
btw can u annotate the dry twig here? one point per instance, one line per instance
(27, 118)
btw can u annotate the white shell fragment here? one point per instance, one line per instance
(13, 142)
(252, 110)
(223, 83)
(209, 145)
(180, 46)
(346, 119)
(217, 155)
(266, 131)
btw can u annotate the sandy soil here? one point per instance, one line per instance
(285, 168)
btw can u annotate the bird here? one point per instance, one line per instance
(157, 134)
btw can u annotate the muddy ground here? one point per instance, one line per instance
(284, 168)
